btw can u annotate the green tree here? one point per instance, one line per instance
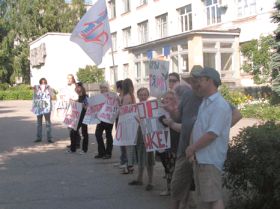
(257, 55)
(276, 56)
(25, 21)
(90, 74)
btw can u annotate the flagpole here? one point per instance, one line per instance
(112, 52)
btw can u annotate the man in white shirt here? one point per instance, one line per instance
(210, 140)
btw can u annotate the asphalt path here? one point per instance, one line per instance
(44, 176)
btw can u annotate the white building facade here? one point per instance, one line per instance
(183, 32)
(186, 33)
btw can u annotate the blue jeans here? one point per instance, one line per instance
(48, 126)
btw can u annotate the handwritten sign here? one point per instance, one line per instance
(155, 135)
(127, 126)
(158, 77)
(41, 100)
(110, 109)
(60, 108)
(95, 104)
(73, 115)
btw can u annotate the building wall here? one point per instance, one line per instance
(251, 25)
(62, 57)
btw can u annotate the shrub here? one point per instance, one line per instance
(258, 92)
(21, 92)
(252, 168)
(262, 111)
(233, 96)
(4, 86)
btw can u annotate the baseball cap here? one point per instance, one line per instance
(212, 74)
(196, 70)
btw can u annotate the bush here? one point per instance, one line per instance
(4, 86)
(233, 96)
(258, 92)
(252, 168)
(262, 111)
(21, 92)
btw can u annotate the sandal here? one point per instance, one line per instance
(135, 183)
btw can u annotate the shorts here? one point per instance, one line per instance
(208, 182)
(182, 179)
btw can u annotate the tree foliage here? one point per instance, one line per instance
(257, 55)
(22, 21)
(276, 56)
(90, 74)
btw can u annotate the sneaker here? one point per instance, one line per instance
(122, 166)
(82, 152)
(165, 193)
(38, 140)
(50, 141)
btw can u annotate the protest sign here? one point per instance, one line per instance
(95, 104)
(127, 126)
(109, 110)
(72, 115)
(41, 100)
(155, 135)
(158, 77)
(60, 107)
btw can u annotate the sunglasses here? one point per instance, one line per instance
(173, 80)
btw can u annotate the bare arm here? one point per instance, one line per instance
(236, 116)
(173, 125)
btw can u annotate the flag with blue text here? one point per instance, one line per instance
(92, 33)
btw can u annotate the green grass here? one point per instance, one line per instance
(261, 111)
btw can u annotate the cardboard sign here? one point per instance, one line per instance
(73, 115)
(158, 77)
(127, 126)
(60, 108)
(41, 100)
(155, 135)
(110, 109)
(95, 104)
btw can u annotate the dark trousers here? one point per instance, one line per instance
(75, 137)
(109, 138)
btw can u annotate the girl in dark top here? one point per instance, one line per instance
(74, 134)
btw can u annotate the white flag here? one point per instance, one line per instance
(92, 33)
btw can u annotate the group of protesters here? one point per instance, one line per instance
(199, 120)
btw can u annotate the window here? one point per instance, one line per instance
(185, 14)
(226, 61)
(126, 6)
(143, 32)
(114, 41)
(112, 8)
(147, 69)
(126, 36)
(246, 7)
(209, 60)
(175, 64)
(138, 70)
(125, 71)
(161, 22)
(142, 2)
(213, 12)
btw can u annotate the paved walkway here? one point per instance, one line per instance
(43, 176)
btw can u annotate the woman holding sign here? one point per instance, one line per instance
(144, 158)
(42, 107)
(105, 153)
(129, 98)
